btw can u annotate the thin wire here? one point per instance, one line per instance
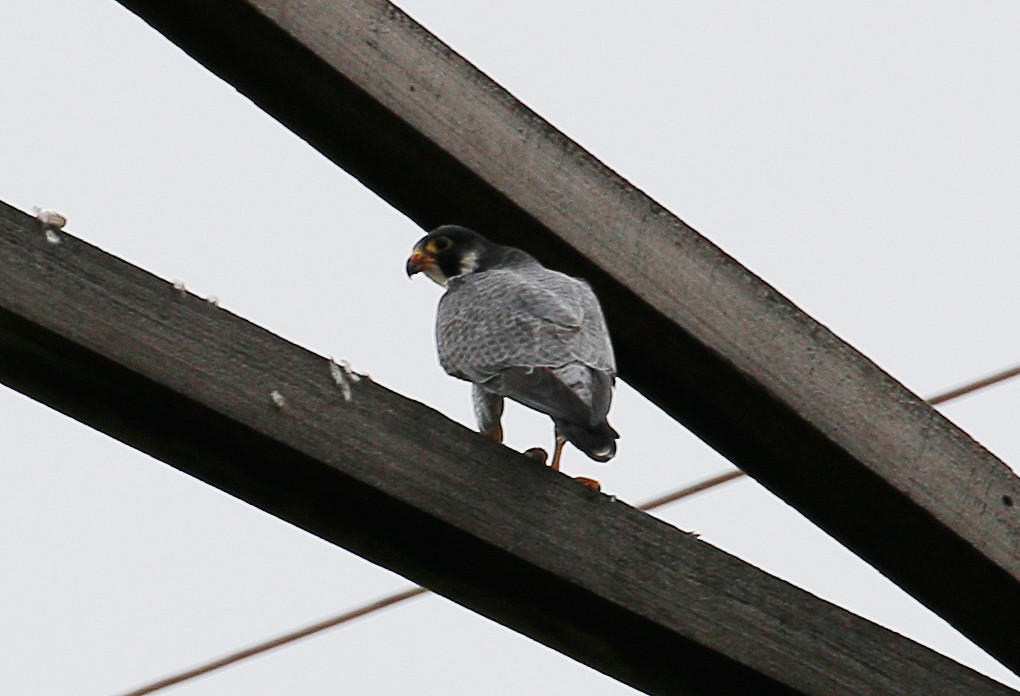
(698, 487)
(278, 641)
(940, 398)
(974, 386)
(647, 506)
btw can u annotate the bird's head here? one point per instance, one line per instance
(450, 251)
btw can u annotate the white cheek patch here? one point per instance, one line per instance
(469, 262)
(436, 275)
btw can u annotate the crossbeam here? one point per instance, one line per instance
(401, 485)
(701, 336)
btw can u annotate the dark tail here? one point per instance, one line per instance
(598, 442)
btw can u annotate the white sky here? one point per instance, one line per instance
(862, 157)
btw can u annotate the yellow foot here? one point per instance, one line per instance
(589, 482)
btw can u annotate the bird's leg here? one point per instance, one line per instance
(590, 482)
(557, 451)
(494, 433)
(488, 408)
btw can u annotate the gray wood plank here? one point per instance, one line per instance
(713, 345)
(169, 373)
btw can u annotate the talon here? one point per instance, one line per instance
(536, 454)
(589, 482)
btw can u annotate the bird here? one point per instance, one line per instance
(516, 329)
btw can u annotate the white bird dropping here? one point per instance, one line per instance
(343, 375)
(277, 398)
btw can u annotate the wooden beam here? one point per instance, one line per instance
(717, 348)
(263, 419)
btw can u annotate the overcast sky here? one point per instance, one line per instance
(862, 157)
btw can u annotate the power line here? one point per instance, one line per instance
(278, 641)
(974, 386)
(396, 598)
(674, 496)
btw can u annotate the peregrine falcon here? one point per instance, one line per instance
(516, 329)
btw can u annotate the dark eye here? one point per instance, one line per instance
(442, 244)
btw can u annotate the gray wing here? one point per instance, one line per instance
(525, 317)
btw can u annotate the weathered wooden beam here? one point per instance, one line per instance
(765, 384)
(394, 481)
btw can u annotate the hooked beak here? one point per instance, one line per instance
(418, 262)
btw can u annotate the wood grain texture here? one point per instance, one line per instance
(169, 373)
(772, 389)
